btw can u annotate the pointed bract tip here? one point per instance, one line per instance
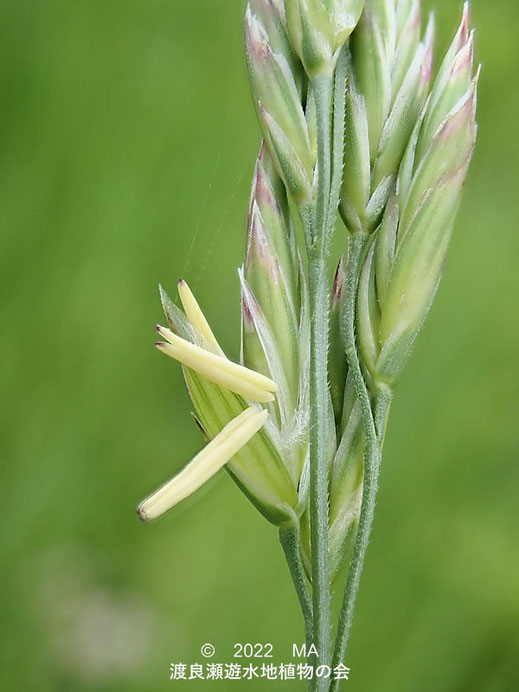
(458, 120)
(464, 27)
(250, 306)
(430, 31)
(474, 92)
(475, 80)
(262, 190)
(260, 247)
(248, 21)
(256, 39)
(416, 14)
(164, 298)
(465, 55)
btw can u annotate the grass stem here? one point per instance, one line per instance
(319, 301)
(374, 415)
(289, 537)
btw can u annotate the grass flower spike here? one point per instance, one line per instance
(276, 89)
(404, 268)
(221, 391)
(389, 74)
(354, 124)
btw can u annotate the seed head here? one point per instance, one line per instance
(388, 82)
(277, 98)
(406, 261)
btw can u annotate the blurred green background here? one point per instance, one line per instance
(127, 141)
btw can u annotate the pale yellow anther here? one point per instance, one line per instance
(205, 464)
(195, 315)
(218, 369)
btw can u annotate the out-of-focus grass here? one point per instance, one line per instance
(126, 147)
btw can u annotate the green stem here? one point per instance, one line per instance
(319, 300)
(372, 458)
(357, 246)
(289, 537)
(374, 419)
(356, 249)
(318, 289)
(322, 87)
